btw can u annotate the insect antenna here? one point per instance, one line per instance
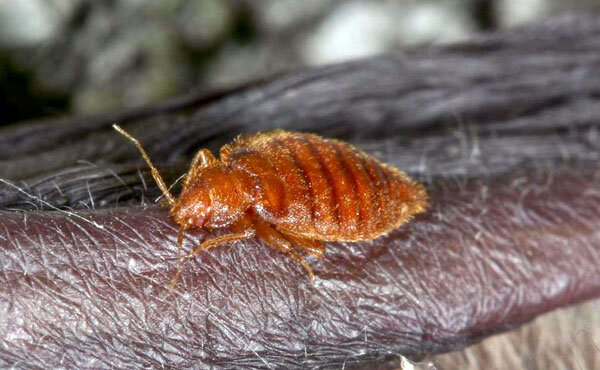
(159, 180)
(179, 243)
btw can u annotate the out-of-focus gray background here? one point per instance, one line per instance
(87, 56)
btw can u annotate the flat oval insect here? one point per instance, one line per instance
(293, 190)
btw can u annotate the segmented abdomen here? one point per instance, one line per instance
(324, 189)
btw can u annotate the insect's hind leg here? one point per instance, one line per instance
(276, 240)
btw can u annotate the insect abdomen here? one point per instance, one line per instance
(328, 190)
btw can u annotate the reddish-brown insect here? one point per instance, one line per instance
(291, 189)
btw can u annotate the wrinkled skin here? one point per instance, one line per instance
(512, 230)
(487, 257)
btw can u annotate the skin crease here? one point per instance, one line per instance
(511, 231)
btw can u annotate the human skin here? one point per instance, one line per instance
(511, 232)
(488, 256)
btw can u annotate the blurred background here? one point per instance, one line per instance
(85, 56)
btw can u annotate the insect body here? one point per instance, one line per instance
(293, 190)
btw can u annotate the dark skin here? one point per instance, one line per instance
(511, 231)
(113, 282)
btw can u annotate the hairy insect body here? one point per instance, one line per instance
(323, 189)
(213, 198)
(293, 190)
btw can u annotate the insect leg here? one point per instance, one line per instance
(242, 229)
(312, 247)
(272, 237)
(179, 243)
(202, 159)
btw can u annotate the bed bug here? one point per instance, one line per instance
(293, 190)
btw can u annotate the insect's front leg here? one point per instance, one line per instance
(242, 229)
(202, 159)
(276, 240)
(313, 247)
